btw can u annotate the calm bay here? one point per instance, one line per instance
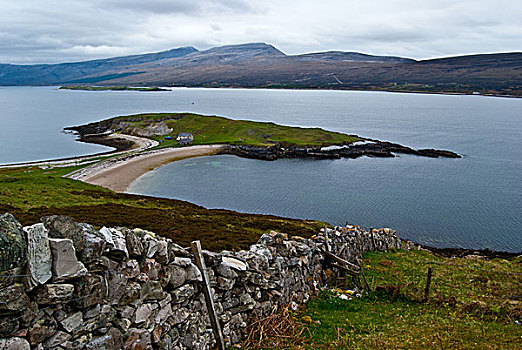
(473, 202)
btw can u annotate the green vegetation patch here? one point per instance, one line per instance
(31, 193)
(110, 88)
(214, 130)
(474, 303)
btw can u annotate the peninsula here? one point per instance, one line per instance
(112, 88)
(217, 135)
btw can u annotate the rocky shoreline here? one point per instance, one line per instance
(370, 148)
(471, 253)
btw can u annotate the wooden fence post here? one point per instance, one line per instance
(373, 238)
(428, 282)
(363, 275)
(209, 298)
(327, 244)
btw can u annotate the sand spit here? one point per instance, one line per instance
(117, 174)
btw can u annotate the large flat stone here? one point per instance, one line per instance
(138, 339)
(57, 339)
(38, 254)
(234, 263)
(65, 264)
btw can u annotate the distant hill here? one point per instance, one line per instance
(262, 65)
(351, 57)
(55, 74)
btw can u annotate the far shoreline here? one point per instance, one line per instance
(167, 88)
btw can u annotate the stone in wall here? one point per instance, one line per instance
(13, 245)
(65, 264)
(14, 344)
(39, 255)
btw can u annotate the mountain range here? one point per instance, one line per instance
(263, 66)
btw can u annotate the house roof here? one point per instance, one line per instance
(185, 134)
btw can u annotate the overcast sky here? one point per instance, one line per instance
(50, 31)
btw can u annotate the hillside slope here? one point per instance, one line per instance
(263, 66)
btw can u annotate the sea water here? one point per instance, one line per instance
(473, 202)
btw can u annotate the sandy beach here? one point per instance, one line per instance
(117, 174)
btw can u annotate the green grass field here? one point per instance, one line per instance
(31, 193)
(473, 304)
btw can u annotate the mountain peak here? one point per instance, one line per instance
(246, 50)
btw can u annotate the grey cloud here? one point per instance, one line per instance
(383, 34)
(73, 30)
(164, 7)
(154, 6)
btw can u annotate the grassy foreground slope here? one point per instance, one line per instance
(213, 130)
(474, 303)
(31, 193)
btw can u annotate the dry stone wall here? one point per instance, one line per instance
(66, 285)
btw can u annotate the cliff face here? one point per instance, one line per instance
(73, 286)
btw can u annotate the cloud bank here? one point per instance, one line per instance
(32, 31)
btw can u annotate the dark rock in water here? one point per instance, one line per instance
(435, 153)
(370, 149)
(13, 245)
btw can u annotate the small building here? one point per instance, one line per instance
(185, 138)
(168, 137)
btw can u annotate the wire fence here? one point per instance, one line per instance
(505, 282)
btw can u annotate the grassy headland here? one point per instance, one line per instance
(221, 130)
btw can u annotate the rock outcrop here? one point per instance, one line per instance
(370, 149)
(132, 289)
